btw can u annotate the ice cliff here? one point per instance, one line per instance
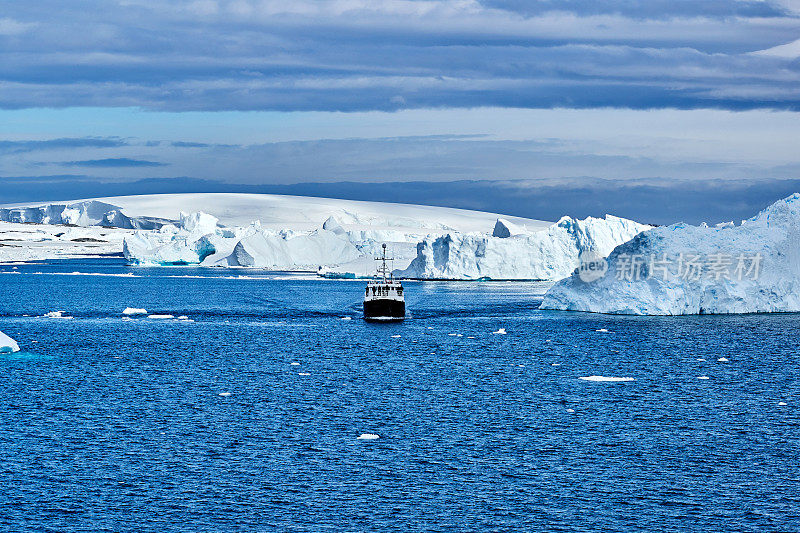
(683, 270)
(198, 239)
(510, 253)
(7, 344)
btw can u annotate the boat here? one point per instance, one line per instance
(383, 297)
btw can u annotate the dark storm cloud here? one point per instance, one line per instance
(359, 55)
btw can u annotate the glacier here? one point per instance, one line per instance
(687, 270)
(514, 254)
(80, 213)
(7, 344)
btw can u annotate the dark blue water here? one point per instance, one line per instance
(109, 424)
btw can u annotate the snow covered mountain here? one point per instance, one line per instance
(511, 253)
(683, 269)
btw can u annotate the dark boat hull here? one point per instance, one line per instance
(383, 310)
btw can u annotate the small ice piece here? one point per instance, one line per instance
(183, 317)
(782, 403)
(452, 334)
(430, 327)
(57, 314)
(521, 366)
(134, 311)
(555, 364)
(7, 344)
(601, 330)
(700, 359)
(160, 317)
(570, 410)
(470, 337)
(723, 359)
(347, 318)
(303, 374)
(395, 336)
(606, 378)
(501, 331)
(368, 436)
(225, 394)
(295, 363)
(702, 377)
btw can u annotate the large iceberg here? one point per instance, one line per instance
(549, 254)
(683, 269)
(7, 344)
(198, 239)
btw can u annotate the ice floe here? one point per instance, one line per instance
(161, 317)
(128, 311)
(368, 436)
(57, 314)
(501, 331)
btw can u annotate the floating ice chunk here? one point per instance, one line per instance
(521, 366)
(570, 410)
(395, 336)
(7, 344)
(555, 364)
(470, 337)
(303, 374)
(368, 436)
(782, 403)
(703, 377)
(723, 359)
(700, 359)
(160, 317)
(429, 327)
(295, 364)
(347, 318)
(57, 314)
(225, 394)
(134, 311)
(606, 378)
(501, 331)
(452, 334)
(601, 330)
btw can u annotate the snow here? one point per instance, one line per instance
(763, 274)
(7, 344)
(550, 254)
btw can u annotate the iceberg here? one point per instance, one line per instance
(550, 254)
(688, 270)
(7, 344)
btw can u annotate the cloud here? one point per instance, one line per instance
(8, 146)
(359, 55)
(115, 162)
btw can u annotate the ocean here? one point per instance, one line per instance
(243, 412)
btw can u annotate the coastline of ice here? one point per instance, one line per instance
(769, 240)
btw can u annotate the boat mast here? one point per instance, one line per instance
(383, 260)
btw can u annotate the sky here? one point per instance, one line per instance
(541, 95)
